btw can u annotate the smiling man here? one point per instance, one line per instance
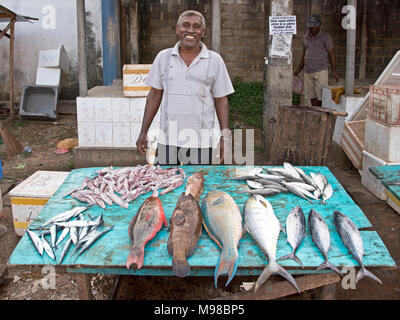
(190, 84)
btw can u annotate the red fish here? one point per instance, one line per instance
(143, 227)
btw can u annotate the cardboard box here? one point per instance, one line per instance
(30, 196)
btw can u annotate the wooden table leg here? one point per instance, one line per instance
(84, 286)
(327, 292)
(115, 288)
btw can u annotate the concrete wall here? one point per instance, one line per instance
(57, 25)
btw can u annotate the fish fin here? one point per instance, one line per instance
(274, 268)
(327, 264)
(218, 201)
(165, 221)
(181, 268)
(211, 235)
(365, 273)
(227, 264)
(169, 247)
(293, 257)
(136, 256)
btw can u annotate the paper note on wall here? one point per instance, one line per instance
(281, 45)
(282, 25)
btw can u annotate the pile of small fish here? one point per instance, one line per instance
(83, 233)
(121, 186)
(287, 179)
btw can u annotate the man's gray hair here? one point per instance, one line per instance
(191, 13)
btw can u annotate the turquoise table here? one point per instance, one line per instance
(108, 255)
(390, 178)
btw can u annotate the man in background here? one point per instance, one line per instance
(317, 50)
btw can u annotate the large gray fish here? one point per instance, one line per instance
(260, 221)
(351, 238)
(321, 237)
(296, 231)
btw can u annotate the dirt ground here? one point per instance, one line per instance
(33, 284)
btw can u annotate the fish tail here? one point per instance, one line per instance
(227, 264)
(326, 264)
(135, 257)
(180, 267)
(293, 257)
(274, 268)
(365, 273)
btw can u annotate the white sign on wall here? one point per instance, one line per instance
(282, 25)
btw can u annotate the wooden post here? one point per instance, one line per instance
(12, 36)
(278, 75)
(216, 26)
(81, 19)
(134, 31)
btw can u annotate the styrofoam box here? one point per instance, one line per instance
(368, 180)
(134, 77)
(353, 141)
(30, 196)
(382, 141)
(393, 201)
(55, 58)
(48, 76)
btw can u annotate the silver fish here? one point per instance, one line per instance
(74, 234)
(319, 181)
(53, 234)
(292, 171)
(296, 231)
(243, 178)
(297, 191)
(264, 192)
(306, 178)
(321, 237)
(270, 183)
(303, 186)
(65, 250)
(36, 241)
(271, 177)
(254, 184)
(48, 249)
(77, 224)
(91, 241)
(64, 216)
(260, 221)
(351, 238)
(64, 233)
(328, 192)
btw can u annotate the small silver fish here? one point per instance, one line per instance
(48, 249)
(91, 241)
(65, 250)
(296, 231)
(327, 194)
(321, 237)
(36, 241)
(64, 233)
(264, 192)
(254, 184)
(351, 238)
(64, 216)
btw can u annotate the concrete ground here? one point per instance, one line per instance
(43, 284)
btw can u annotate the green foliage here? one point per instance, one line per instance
(246, 104)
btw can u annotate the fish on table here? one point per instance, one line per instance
(321, 237)
(185, 225)
(351, 238)
(296, 231)
(261, 223)
(143, 227)
(223, 223)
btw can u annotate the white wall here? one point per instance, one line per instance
(57, 25)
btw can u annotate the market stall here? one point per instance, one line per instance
(108, 255)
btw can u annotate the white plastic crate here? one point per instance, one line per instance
(30, 196)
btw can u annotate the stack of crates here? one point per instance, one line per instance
(382, 135)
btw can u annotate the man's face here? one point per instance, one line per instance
(190, 31)
(314, 30)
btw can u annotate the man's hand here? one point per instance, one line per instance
(141, 143)
(335, 75)
(296, 73)
(221, 151)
